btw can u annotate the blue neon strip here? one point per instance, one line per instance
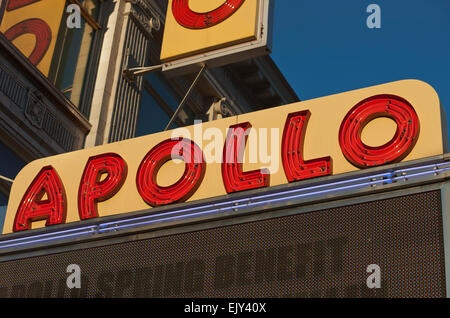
(420, 174)
(235, 207)
(46, 239)
(246, 199)
(92, 227)
(230, 205)
(389, 175)
(168, 219)
(436, 165)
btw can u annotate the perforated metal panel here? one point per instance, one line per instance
(317, 254)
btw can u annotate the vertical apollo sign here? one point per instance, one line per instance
(214, 32)
(32, 26)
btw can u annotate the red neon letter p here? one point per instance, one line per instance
(102, 178)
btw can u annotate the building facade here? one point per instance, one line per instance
(357, 204)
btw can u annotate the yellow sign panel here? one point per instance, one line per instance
(32, 26)
(197, 26)
(322, 135)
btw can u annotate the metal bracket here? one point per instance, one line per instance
(131, 74)
(188, 93)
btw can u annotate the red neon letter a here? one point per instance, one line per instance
(35, 207)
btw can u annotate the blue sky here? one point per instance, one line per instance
(324, 47)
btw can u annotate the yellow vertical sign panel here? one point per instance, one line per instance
(41, 15)
(180, 41)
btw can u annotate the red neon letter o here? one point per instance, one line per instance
(406, 135)
(181, 190)
(194, 20)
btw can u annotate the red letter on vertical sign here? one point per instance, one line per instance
(34, 207)
(195, 20)
(404, 140)
(295, 167)
(234, 178)
(39, 29)
(181, 190)
(102, 178)
(16, 4)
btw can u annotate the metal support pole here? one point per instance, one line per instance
(132, 73)
(175, 115)
(6, 179)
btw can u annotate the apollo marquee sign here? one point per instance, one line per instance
(356, 130)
